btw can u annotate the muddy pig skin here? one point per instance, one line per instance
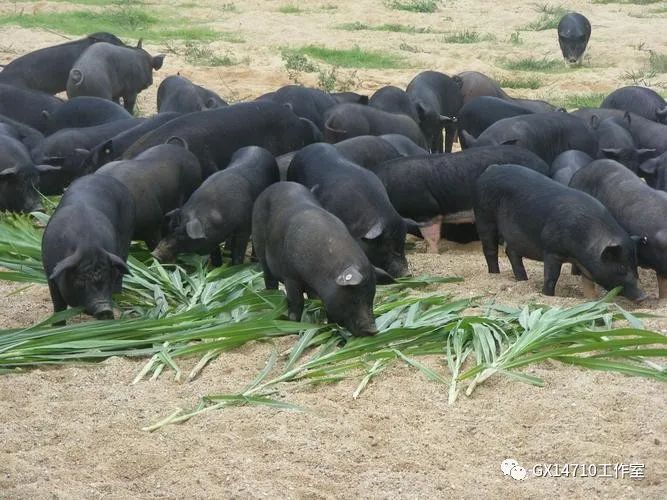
(311, 251)
(638, 208)
(357, 197)
(86, 243)
(543, 220)
(220, 210)
(160, 179)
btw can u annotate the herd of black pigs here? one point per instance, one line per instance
(327, 185)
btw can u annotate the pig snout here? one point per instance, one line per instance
(398, 268)
(164, 252)
(363, 327)
(633, 292)
(101, 310)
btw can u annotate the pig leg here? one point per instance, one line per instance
(59, 303)
(662, 286)
(239, 245)
(552, 267)
(129, 101)
(270, 281)
(589, 287)
(450, 131)
(294, 300)
(432, 234)
(488, 234)
(516, 262)
(215, 257)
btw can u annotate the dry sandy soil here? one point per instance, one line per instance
(75, 432)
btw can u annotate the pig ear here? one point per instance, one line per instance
(649, 166)
(412, 227)
(611, 253)
(82, 152)
(350, 277)
(195, 230)
(639, 240)
(468, 138)
(46, 168)
(421, 111)
(67, 263)
(374, 232)
(611, 153)
(382, 277)
(158, 60)
(646, 153)
(118, 263)
(210, 103)
(9, 171)
(444, 120)
(46, 114)
(140, 43)
(289, 106)
(661, 113)
(178, 141)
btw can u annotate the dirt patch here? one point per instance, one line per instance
(75, 432)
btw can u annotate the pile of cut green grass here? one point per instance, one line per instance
(171, 312)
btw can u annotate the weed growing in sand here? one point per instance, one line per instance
(203, 55)
(229, 7)
(657, 62)
(296, 63)
(632, 2)
(329, 80)
(550, 16)
(531, 82)
(515, 38)
(467, 36)
(409, 48)
(332, 81)
(290, 9)
(640, 77)
(544, 65)
(394, 28)
(424, 6)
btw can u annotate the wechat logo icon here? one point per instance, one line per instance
(511, 467)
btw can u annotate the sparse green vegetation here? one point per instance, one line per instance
(124, 20)
(574, 101)
(550, 16)
(467, 36)
(353, 58)
(633, 2)
(520, 83)
(395, 28)
(515, 38)
(332, 81)
(290, 9)
(424, 6)
(203, 55)
(409, 48)
(657, 62)
(544, 64)
(229, 7)
(328, 79)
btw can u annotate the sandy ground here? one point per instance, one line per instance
(75, 432)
